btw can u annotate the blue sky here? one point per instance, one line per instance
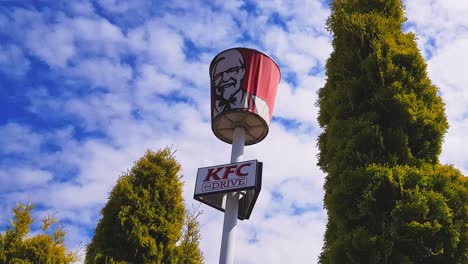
(87, 86)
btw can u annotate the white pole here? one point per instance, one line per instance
(232, 203)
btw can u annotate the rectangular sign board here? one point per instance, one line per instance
(227, 178)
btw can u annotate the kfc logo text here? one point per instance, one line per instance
(214, 173)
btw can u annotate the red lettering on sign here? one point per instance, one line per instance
(239, 172)
(213, 173)
(229, 170)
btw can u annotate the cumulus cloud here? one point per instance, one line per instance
(52, 44)
(302, 95)
(15, 138)
(102, 73)
(16, 179)
(13, 61)
(447, 69)
(442, 37)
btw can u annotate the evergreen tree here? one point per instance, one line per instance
(143, 219)
(388, 199)
(17, 247)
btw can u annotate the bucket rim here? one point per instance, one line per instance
(263, 53)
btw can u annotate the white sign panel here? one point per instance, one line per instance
(226, 178)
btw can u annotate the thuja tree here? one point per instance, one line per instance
(145, 220)
(388, 199)
(17, 245)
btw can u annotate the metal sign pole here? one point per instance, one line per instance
(232, 203)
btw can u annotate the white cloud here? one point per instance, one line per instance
(123, 7)
(15, 138)
(82, 8)
(282, 238)
(443, 37)
(447, 68)
(298, 51)
(151, 82)
(115, 5)
(454, 150)
(103, 73)
(231, 6)
(13, 61)
(53, 44)
(20, 178)
(163, 45)
(438, 14)
(206, 28)
(440, 21)
(98, 36)
(299, 103)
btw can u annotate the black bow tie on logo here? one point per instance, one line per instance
(226, 104)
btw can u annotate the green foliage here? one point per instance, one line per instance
(17, 247)
(387, 198)
(143, 219)
(378, 105)
(398, 214)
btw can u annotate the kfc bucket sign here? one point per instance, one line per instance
(243, 85)
(243, 90)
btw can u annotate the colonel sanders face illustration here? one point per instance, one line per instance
(227, 74)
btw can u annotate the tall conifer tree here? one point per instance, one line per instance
(143, 221)
(388, 199)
